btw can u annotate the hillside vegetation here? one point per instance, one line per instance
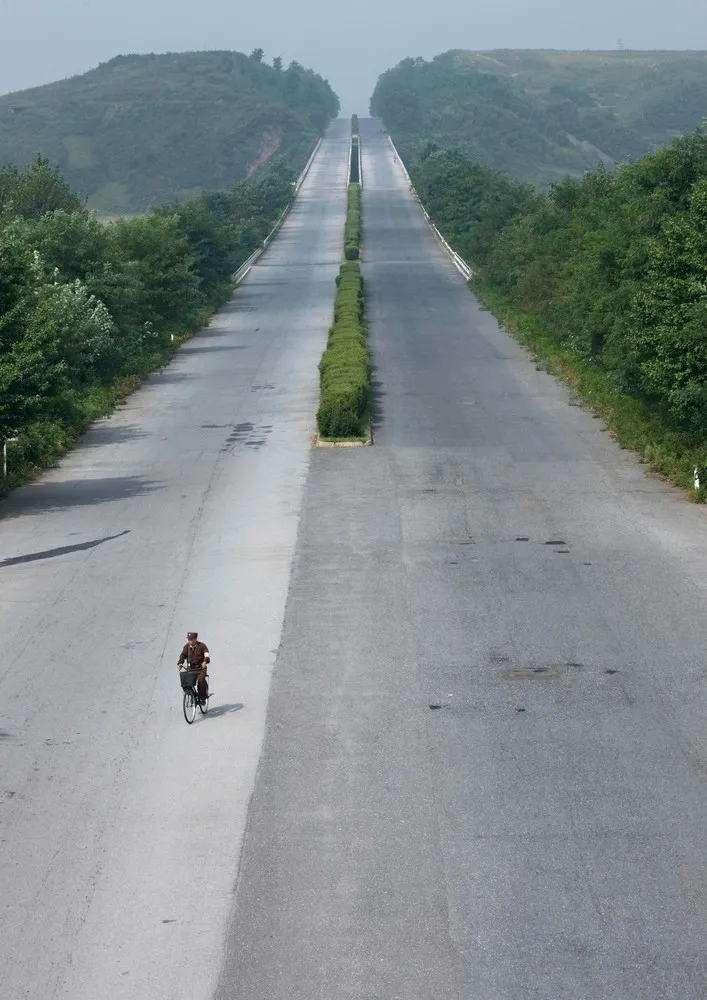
(540, 115)
(605, 278)
(141, 130)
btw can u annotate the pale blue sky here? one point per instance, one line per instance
(44, 40)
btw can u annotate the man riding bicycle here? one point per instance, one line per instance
(196, 656)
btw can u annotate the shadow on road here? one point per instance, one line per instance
(224, 709)
(108, 433)
(169, 378)
(39, 497)
(61, 551)
(213, 348)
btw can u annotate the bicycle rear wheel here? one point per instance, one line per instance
(204, 706)
(189, 705)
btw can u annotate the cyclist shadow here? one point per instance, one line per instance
(224, 710)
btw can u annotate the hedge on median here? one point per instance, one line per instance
(345, 368)
(352, 230)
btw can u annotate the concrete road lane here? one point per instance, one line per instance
(484, 770)
(121, 827)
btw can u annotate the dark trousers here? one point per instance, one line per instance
(202, 688)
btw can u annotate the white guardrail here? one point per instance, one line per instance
(459, 262)
(246, 265)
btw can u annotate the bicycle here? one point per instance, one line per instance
(191, 699)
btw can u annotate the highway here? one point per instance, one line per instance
(458, 745)
(120, 827)
(484, 772)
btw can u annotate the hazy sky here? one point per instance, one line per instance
(45, 40)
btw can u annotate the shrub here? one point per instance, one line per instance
(345, 368)
(352, 230)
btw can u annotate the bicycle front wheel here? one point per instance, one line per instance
(204, 705)
(189, 705)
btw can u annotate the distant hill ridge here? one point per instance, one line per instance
(143, 129)
(543, 114)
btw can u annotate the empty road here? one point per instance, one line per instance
(120, 827)
(484, 772)
(458, 742)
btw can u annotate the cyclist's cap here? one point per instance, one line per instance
(192, 635)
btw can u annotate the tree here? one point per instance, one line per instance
(668, 335)
(33, 192)
(257, 55)
(73, 242)
(169, 286)
(277, 63)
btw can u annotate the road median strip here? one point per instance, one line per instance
(344, 414)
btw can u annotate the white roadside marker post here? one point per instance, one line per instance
(5, 443)
(697, 478)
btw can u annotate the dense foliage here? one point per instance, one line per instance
(352, 229)
(611, 269)
(141, 130)
(84, 305)
(345, 368)
(539, 115)
(354, 124)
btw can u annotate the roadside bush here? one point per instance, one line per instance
(345, 368)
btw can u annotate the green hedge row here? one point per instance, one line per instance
(352, 231)
(345, 368)
(354, 124)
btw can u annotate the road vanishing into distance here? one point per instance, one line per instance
(458, 739)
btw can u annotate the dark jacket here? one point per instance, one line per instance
(194, 655)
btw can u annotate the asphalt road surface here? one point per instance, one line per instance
(484, 770)
(120, 827)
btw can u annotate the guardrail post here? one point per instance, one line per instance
(6, 442)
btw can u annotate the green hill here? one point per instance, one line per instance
(141, 130)
(541, 115)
